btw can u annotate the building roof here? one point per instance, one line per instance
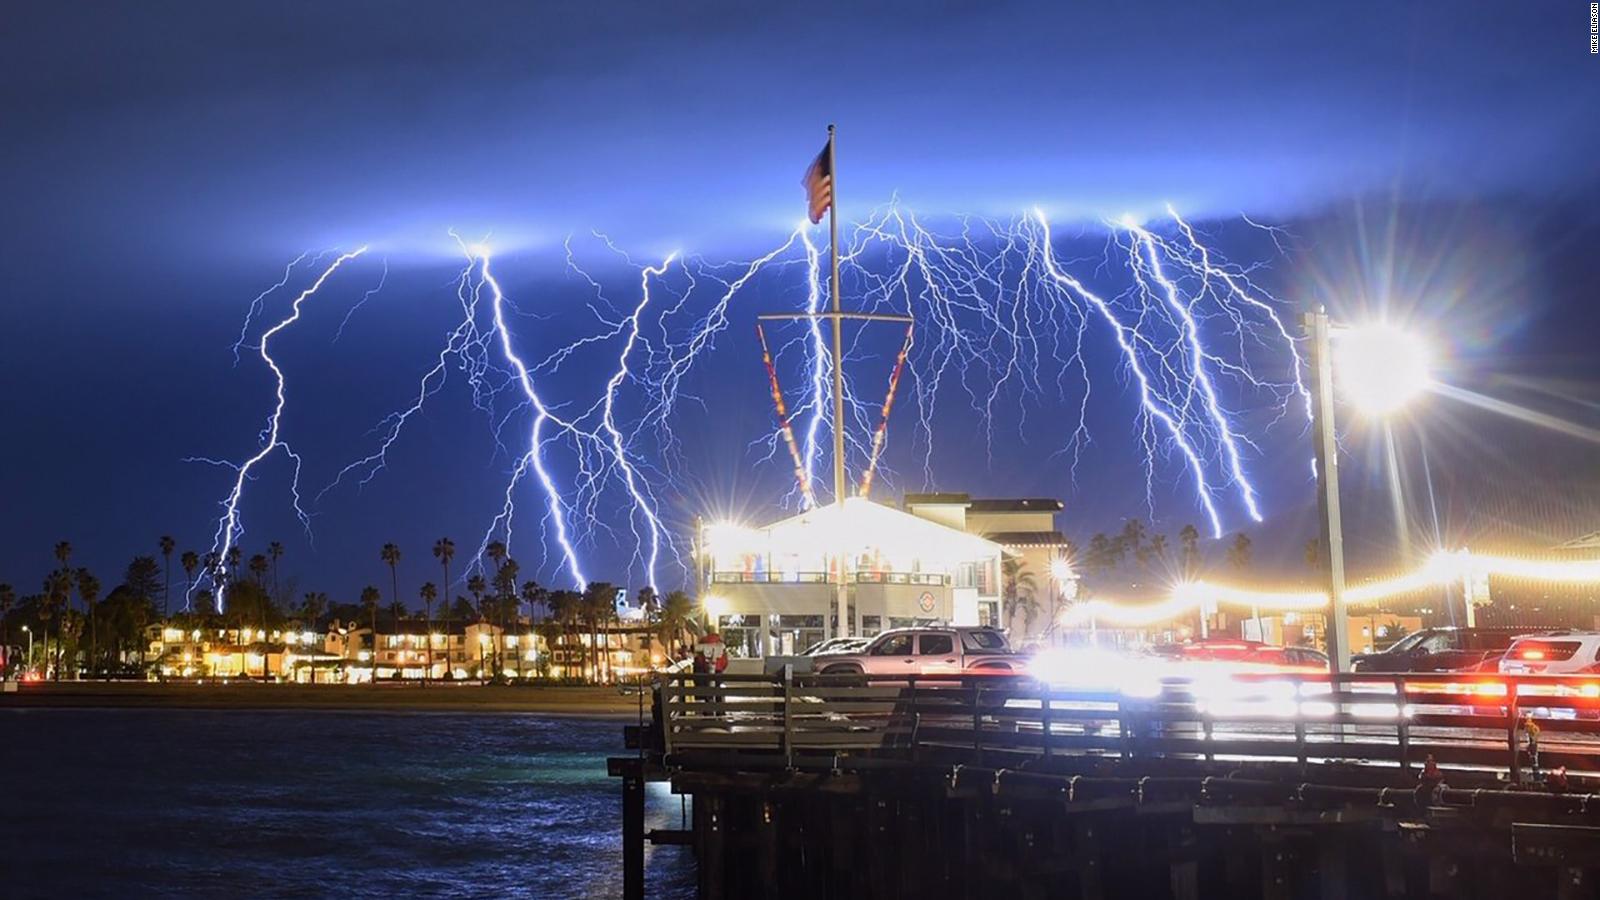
(1028, 538)
(856, 523)
(938, 499)
(1025, 504)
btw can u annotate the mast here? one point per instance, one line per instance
(842, 597)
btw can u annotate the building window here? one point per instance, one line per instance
(967, 575)
(986, 579)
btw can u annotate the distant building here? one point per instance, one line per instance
(1026, 531)
(346, 653)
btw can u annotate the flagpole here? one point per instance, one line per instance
(843, 592)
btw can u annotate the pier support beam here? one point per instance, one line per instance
(633, 834)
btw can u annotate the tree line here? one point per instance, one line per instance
(83, 633)
(1112, 553)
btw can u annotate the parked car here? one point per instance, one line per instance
(928, 651)
(1443, 649)
(1245, 655)
(1556, 653)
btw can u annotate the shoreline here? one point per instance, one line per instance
(591, 702)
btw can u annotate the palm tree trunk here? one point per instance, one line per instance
(427, 639)
(446, 563)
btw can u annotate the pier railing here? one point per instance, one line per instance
(1511, 723)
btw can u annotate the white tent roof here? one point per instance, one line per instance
(857, 525)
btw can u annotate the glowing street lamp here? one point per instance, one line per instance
(1380, 368)
(1061, 571)
(715, 607)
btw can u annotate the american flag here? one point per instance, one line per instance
(819, 185)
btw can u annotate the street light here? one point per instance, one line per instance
(1061, 570)
(30, 646)
(715, 608)
(1380, 369)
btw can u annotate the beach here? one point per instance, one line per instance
(436, 697)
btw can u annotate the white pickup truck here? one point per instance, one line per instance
(937, 650)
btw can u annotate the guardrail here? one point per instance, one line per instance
(1510, 723)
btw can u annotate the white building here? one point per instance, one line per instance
(772, 590)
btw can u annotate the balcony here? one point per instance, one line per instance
(931, 579)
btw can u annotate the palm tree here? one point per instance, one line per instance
(564, 613)
(369, 604)
(1101, 556)
(597, 609)
(275, 553)
(167, 546)
(1239, 557)
(58, 591)
(534, 594)
(212, 564)
(63, 552)
(45, 610)
(190, 561)
(505, 601)
(89, 590)
(444, 550)
(476, 586)
(314, 604)
(1133, 534)
(1189, 542)
(496, 551)
(8, 600)
(390, 554)
(1020, 589)
(71, 627)
(1158, 547)
(235, 553)
(429, 594)
(258, 569)
(675, 617)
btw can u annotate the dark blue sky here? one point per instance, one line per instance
(164, 160)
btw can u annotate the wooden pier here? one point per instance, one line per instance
(999, 786)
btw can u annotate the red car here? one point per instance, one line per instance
(1248, 655)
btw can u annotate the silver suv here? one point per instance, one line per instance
(940, 650)
(1554, 653)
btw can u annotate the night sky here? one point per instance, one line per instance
(1435, 162)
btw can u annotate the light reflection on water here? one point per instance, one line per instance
(214, 803)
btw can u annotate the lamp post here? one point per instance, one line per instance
(1380, 368)
(1326, 454)
(30, 646)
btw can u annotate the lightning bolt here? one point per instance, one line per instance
(228, 526)
(1153, 409)
(535, 455)
(644, 507)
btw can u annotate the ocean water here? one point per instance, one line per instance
(137, 803)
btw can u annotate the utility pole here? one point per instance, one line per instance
(1327, 461)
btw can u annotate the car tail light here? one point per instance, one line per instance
(1532, 654)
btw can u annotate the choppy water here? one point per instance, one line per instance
(201, 803)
